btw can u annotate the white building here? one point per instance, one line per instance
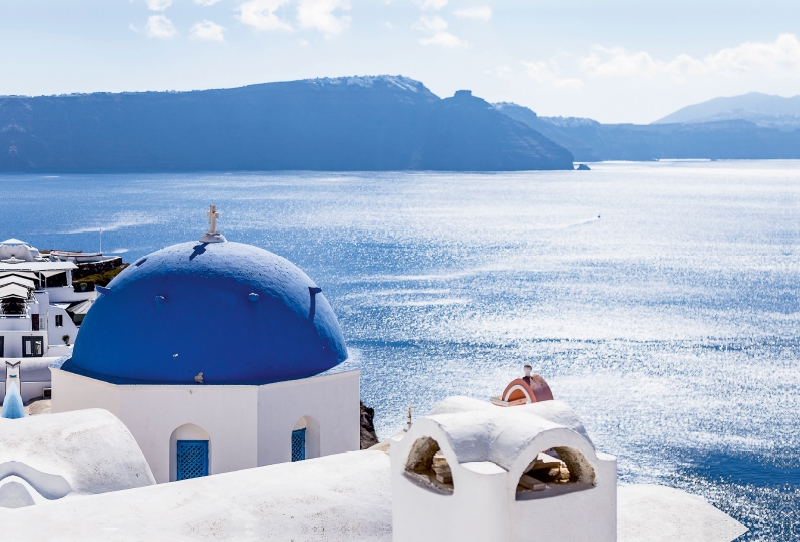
(217, 356)
(470, 470)
(40, 314)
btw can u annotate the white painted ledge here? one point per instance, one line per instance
(650, 513)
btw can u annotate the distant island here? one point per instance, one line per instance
(753, 126)
(352, 123)
(763, 110)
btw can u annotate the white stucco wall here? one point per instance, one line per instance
(66, 294)
(80, 392)
(67, 326)
(226, 413)
(34, 375)
(332, 401)
(248, 426)
(29, 390)
(13, 339)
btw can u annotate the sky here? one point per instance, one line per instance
(614, 61)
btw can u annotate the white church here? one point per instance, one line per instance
(218, 357)
(210, 396)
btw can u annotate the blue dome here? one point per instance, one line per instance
(236, 313)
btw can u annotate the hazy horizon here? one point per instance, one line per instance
(355, 76)
(624, 61)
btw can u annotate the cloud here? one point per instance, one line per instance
(425, 5)
(260, 14)
(549, 74)
(483, 13)
(207, 31)
(158, 26)
(436, 29)
(503, 72)
(615, 62)
(779, 59)
(206, 2)
(319, 14)
(158, 5)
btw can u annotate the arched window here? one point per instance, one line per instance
(561, 469)
(299, 444)
(427, 466)
(189, 453)
(305, 439)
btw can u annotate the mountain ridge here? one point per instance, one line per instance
(348, 123)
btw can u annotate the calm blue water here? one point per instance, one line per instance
(671, 323)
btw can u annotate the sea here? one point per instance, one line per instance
(659, 300)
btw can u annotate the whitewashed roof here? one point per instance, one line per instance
(19, 281)
(14, 242)
(13, 290)
(339, 498)
(37, 266)
(345, 497)
(480, 431)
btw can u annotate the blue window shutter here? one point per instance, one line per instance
(192, 459)
(299, 445)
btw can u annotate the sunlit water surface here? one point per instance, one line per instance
(659, 300)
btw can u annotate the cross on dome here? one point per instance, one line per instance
(212, 235)
(212, 215)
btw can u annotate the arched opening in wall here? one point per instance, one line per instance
(305, 439)
(427, 466)
(189, 453)
(556, 471)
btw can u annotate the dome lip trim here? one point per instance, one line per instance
(65, 364)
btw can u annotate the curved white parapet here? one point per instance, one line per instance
(15, 495)
(49, 486)
(75, 453)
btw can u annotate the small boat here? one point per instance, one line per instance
(77, 256)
